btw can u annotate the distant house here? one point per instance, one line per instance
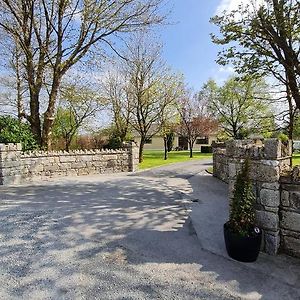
(180, 143)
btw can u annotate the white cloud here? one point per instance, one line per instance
(222, 73)
(230, 5)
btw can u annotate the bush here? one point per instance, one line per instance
(206, 149)
(114, 142)
(242, 213)
(14, 131)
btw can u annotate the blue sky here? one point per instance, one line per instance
(187, 45)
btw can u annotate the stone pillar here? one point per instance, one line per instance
(268, 159)
(133, 156)
(10, 164)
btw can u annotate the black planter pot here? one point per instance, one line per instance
(245, 249)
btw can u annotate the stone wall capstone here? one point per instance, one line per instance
(17, 167)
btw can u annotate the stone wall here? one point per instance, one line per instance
(17, 167)
(289, 212)
(220, 162)
(270, 159)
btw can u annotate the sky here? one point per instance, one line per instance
(188, 48)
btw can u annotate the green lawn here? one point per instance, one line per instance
(155, 158)
(296, 159)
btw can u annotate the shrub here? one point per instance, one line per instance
(206, 149)
(242, 213)
(14, 131)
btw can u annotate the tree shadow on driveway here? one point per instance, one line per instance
(109, 239)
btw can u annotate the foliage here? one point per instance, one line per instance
(282, 137)
(155, 158)
(242, 213)
(147, 89)
(263, 39)
(64, 126)
(241, 106)
(14, 131)
(78, 104)
(170, 140)
(54, 36)
(114, 142)
(194, 120)
(296, 127)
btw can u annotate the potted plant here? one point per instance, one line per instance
(242, 237)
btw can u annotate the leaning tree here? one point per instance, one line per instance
(54, 35)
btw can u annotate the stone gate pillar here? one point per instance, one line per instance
(268, 159)
(133, 156)
(10, 164)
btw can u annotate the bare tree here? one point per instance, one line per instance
(55, 35)
(195, 122)
(150, 87)
(116, 92)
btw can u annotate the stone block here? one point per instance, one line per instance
(97, 157)
(232, 147)
(87, 158)
(83, 171)
(291, 246)
(271, 185)
(110, 157)
(36, 168)
(67, 158)
(65, 166)
(290, 220)
(295, 200)
(72, 172)
(285, 198)
(272, 148)
(10, 180)
(270, 198)
(111, 164)
(51, 168)
(267, 220)
(271, 209)
(265, 173)
(272, 242)
(78, 165)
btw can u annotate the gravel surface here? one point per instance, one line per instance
(122, 236)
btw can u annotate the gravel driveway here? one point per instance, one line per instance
(122, 236)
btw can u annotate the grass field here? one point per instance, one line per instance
(296, 159)
(155, 158)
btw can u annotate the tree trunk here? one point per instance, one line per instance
(166, 148)
(35, 121)
(49, 115)
(67, 144)
(191, 149)
(141, 150)
(291, 114)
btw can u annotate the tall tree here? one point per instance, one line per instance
(53, 36)
(148, 85)
(116, 91)
(241, 106)
(263, 38)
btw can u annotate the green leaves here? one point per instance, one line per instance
(14, 131)
(242, 213)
